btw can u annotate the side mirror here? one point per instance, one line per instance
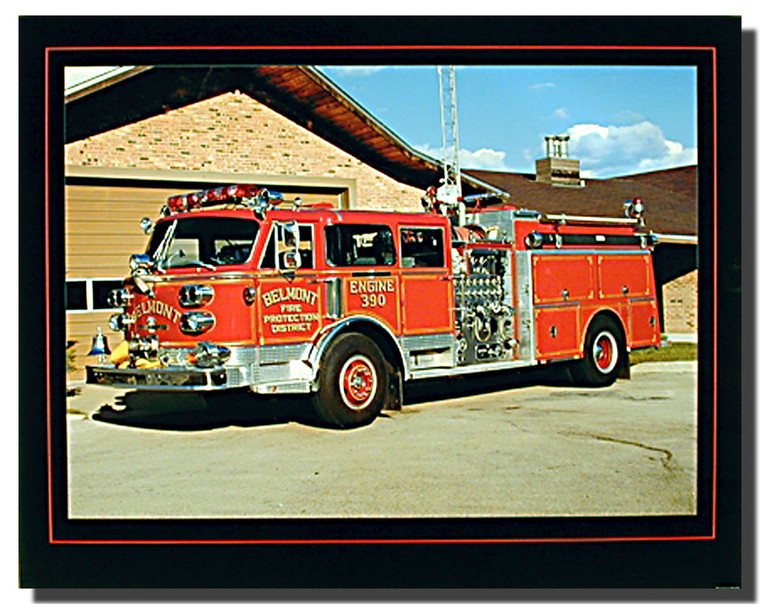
(290, 236)
(291, 260)
(146, 224)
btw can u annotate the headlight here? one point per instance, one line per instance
(196, 322)
(193, 296)
(119, 298)
(119, 322)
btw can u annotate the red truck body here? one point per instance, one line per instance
(349, 305)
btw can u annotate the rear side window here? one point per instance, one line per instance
(360, 245)
(422, 246)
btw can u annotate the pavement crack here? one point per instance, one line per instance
(667, 455)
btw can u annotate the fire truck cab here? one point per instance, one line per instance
(347, 305)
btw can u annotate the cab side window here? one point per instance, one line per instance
(360, 245)
(422, 247)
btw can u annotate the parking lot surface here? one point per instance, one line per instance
(502, 445)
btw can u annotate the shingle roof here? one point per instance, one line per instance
(670, 196)
(301, 93)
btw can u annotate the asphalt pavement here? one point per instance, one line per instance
(506, 445)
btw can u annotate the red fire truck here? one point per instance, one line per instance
(236, 291)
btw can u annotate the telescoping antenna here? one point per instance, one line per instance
(450, 192)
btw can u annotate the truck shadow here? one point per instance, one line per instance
(425, 391)
(215, 410)
(201, 411)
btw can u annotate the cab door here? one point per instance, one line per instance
(425, 281)
(289, 300)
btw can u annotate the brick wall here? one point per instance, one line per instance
(680, 304)
(233, 133)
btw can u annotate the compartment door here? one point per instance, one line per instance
(645, 328)
(562, 278)
(625, 276)
(558, 332)
(426, 284)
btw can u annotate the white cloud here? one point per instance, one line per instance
(353, 70)
(613, 150)
(542, 86)
(677, 156)
(561, 114)
(482, 159)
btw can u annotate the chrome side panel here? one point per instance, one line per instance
(467, 369)
(498, 225)
(283, 353)
(425, 351)
(334, 298)
(526, 349)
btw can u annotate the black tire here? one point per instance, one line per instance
(604, 354)
(353, 382)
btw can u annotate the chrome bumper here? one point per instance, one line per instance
(281, 378)
(159, 379)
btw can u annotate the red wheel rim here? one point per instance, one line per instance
(605, 352)
(358, 382)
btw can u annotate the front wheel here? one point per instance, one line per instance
(352, 383)
(604, 354)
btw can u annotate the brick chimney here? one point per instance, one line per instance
(557, 169)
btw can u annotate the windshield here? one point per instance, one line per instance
(202, 241)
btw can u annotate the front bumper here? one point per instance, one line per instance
(291, 377)
(160, 379)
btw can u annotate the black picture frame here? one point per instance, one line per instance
(704, 552)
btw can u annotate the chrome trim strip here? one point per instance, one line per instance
(468, 369)
(203, 275)
(334, 297)
(563, 218)
(592, 252)
(525, 329)
(686, 239)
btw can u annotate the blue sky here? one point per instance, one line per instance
(621, 120)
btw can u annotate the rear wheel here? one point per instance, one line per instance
(604, 354)
(352, 383)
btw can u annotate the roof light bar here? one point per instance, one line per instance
(246, 194)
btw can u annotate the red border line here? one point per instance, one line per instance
(367, 541)
(48, 343)
(51, 537)
(715, 294)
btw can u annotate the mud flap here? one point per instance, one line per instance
(395, 400)
(625, 370)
